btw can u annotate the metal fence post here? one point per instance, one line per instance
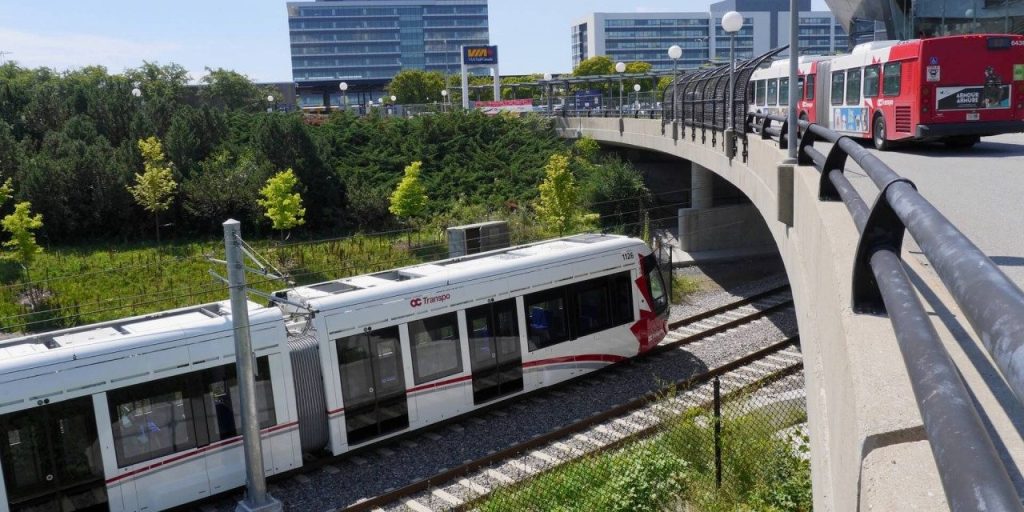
(718, 432)
(256, 497)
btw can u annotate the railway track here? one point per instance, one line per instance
(586, 436)
(460, 487)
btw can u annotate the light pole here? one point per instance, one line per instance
(620, 68)
(344, 95)
(732, 22)
(547, 91)
(971, 13)
(444, 100)
(674, 53)
(136, 92)
(270, 104)
(636, 90)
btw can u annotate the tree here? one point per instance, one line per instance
(587, 148)
(231, 90)
(154, 188)
(559, 209)
(282, 203)
(414, 86)
(409, 200)
(225, 186)
(22, 225)
(596, 65)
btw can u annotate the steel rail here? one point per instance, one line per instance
(525, 446)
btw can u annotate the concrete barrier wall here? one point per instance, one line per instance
(868, 449)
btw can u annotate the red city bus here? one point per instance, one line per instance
(953, 89)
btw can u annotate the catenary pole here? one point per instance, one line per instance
(256, 497)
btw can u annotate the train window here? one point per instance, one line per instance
(169, 415)
(891, 74)
(773, 92)
(853, 86)
(871, 81)
(759, 92)
(622, 298)
(783, 91)
(546, 321)
(657, 288)
(838, 86)
(592, 307)
(436, 349)
(222, 403)
(809, 90)
(152, 420)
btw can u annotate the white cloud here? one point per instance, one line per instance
(71, 51)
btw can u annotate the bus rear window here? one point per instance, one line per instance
(998, 43)
(891, 79)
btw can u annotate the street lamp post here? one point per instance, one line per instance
(732, 22)
(674, 53)
(444, 100)
(270, 104)
(636, 90)
(136, 92)
(344, 95)
(547, 91)
(620, 68)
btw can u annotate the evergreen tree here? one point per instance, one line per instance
(409, 200)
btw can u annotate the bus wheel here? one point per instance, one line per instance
(963, 142)
(878, 135)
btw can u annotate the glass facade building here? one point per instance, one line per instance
(906, 19)
(646, 37)
(365, 43)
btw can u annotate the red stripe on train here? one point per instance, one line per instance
(198, 451)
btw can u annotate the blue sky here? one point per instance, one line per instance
(251, 36)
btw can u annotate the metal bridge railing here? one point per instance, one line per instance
(972, 473)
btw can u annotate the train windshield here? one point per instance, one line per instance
(655, 284)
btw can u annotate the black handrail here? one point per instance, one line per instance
(973, 476)
(972, 473)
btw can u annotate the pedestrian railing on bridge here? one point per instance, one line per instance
(972, 473)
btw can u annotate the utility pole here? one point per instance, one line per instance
(256, 497)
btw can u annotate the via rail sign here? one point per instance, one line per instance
(474, 55)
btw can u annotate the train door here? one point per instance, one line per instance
(373, 384)
(497, 360)
(51, 458)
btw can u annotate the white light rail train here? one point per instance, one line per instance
(142, 414)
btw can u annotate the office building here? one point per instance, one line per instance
(646, 37)
(904, 19)
(365, 43)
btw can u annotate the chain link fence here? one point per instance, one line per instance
(726, 444)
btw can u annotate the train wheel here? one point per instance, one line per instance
(878, 135)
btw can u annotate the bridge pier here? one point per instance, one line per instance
(701, 186)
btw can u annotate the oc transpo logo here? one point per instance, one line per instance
(429, 299)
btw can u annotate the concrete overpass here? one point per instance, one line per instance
(866, 387)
